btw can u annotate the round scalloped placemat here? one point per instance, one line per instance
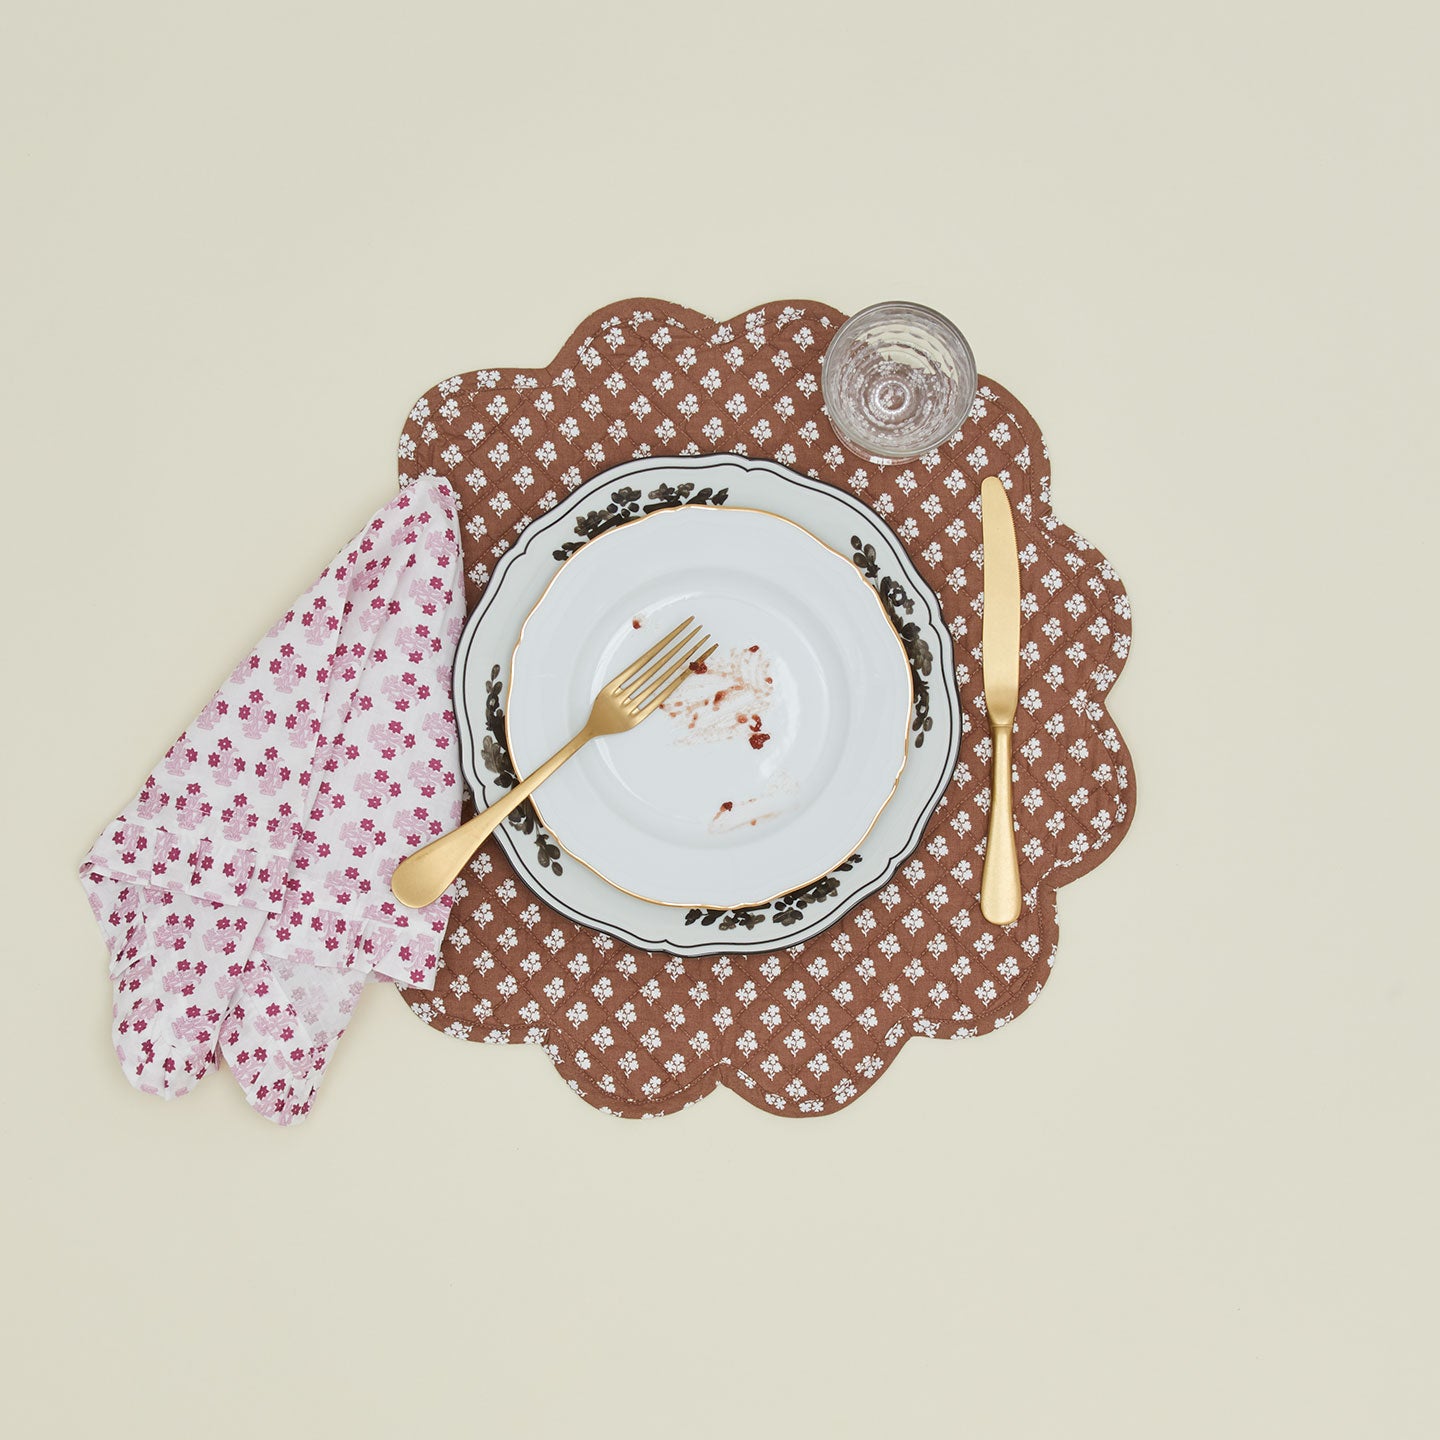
(803, 1030)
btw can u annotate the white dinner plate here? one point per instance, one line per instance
(769, 765)
(525, 565)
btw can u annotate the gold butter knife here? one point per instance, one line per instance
(1000, 663)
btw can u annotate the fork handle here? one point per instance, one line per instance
(422, 878)
(1000, 879)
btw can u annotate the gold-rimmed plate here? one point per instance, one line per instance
(524, 568)
(765, 771)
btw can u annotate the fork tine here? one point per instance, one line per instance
(662, 665)
(676, 672)
(651, 653)
(675, 684)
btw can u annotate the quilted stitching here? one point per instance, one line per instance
(807, 1029)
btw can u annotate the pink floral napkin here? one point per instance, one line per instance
(244, 894)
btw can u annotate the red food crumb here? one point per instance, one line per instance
(754, 648)
(699, 667)
(728, 805)
(635, 624)
(757, 736)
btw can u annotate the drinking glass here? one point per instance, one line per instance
(898, 380)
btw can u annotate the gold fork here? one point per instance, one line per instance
(635, 693)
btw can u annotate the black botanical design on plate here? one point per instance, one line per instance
(898, 605)
(667, 497)
(496, 755)
(785, 910)
(625, 506)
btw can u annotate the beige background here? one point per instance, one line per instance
(1194, 1192)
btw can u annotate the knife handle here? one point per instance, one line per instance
(1000, 879)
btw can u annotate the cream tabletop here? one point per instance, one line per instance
(1200, 246)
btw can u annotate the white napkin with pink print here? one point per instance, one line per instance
(244, 894)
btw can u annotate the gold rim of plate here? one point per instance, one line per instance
(904, 733)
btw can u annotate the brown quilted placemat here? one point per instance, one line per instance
(803, 1030)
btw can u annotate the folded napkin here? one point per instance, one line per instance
(244, 894)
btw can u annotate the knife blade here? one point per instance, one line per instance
(1000, 894)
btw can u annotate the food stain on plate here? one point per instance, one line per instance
(745, 814)
(732, 703)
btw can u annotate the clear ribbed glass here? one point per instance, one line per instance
(898, 380)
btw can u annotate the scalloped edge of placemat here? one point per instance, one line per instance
(1038, 518)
